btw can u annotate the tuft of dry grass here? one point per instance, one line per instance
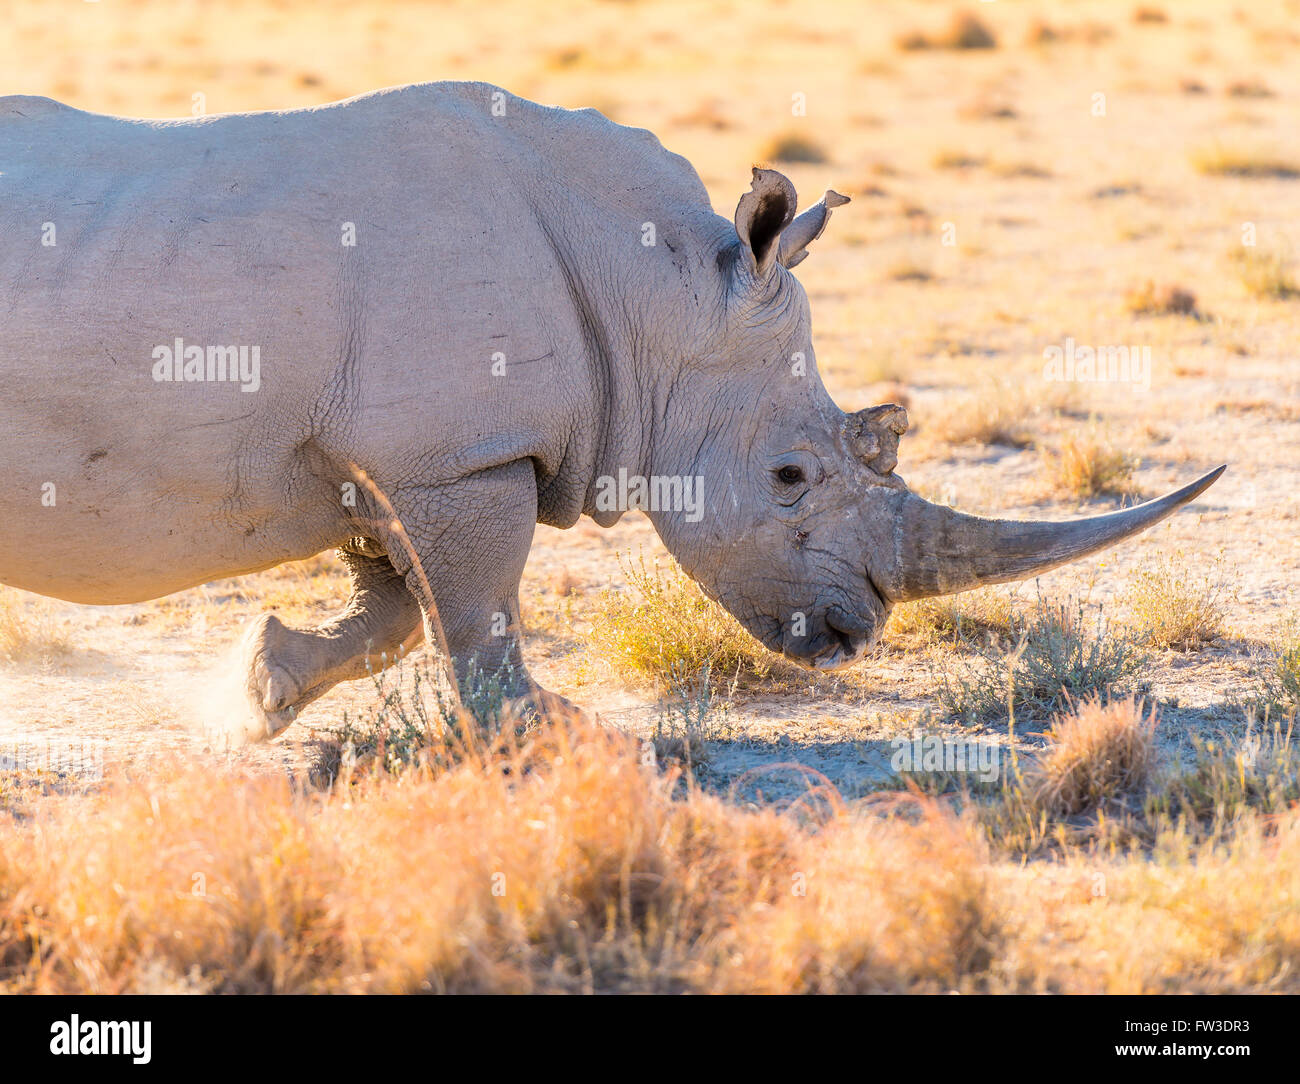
(1095, 752)
(907, 270)
(1089, 465)
(794, 147)
(986, 109)
(1265, 275)
(1218, 161)
(1230, 777)
(1175, 607)
(1145, 13)
(563, 583)
(1016, 170)
(1166, 299)
(951, 159)
(997, 412)
(883, 368)
(964, 31)
(1248, 88)
(29, 631)
(1092, 32)
(986, 612)
(664, 628)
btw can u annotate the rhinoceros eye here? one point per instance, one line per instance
(790, 474)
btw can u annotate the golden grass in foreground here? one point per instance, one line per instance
(570, 864)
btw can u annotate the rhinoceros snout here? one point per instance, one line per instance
(832, 640)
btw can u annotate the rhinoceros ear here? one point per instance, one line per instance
(762, 215)
(805, 229)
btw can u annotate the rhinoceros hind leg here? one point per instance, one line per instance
(286, 669)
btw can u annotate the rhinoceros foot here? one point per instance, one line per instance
(543, 706)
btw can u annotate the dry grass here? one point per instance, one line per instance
(664, 628)
(1265, 275)
(1040, 32)
(1020, 170)
(1175, 606)
(1219, 161)
(793, 147)
(29, 632)
(617, 877)
(948, 620)
(1089, 465)
(459, 880)
(963, 31)
(1094, 753)
(986, 109)
(951, 159)
(998, 410)
(907, 270)
(1279, 684)
(1144, 13)
(1165, 299)
(1248, 88)
(565, 862)
(1230, 778)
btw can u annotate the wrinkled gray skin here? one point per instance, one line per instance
(477, 235)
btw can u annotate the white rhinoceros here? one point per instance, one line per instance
(411, 326)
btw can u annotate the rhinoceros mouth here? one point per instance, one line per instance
(839, 638)
(850, 638)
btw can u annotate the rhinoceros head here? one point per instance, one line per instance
(805, 533)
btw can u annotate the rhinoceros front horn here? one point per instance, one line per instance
(938, 551)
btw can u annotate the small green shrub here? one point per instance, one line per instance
(416, 721)
(1053, 660)
(1279, 684)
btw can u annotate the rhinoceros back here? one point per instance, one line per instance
(373, 257)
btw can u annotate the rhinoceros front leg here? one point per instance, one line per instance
(286, 669)
(464, 547)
